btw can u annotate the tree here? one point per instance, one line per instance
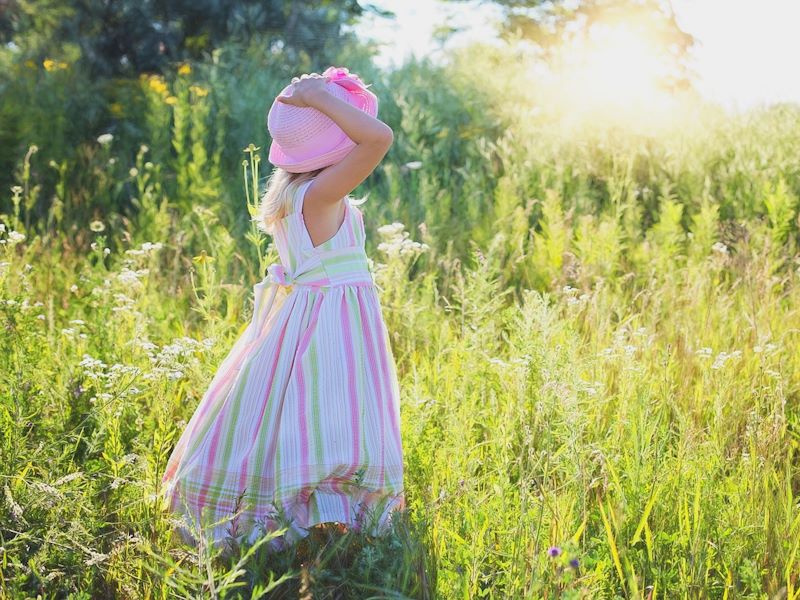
(126, 37)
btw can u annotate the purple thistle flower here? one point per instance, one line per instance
(574, 563)
(554, 551)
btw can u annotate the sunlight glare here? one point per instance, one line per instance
(615, 74)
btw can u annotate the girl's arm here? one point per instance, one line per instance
(373, 139)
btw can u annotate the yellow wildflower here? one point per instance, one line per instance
(198, 90)
(203, 258)
(184, 69)
(49, 64)
(116, 109)
(158, 85)
(171, 100)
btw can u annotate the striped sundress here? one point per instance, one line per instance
(301, 422)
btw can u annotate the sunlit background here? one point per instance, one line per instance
(746, 53)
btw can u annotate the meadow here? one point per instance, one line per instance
(597, 335)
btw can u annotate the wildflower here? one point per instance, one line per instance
(185, 69)
(16, 190)
(724, 357)
(116, 109)
(73, 288)
(171, 100)
(49, 64)
(203, 258)
(574, 563)
(96, 557)
(554, 551)
(97, 226)
(704, 352)
(15, 237)
(133, 172)
(720, 248)
(157, 84)
(14, 507)
(391, 229)
(199, 91)
(105, 139)
(569, 290)
(413, 165)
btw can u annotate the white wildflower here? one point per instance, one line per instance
(724, 357)
(15, 237)
(720, 248)
(13, 506)
(569, 290)
(96, 558)
(131, 278)
(105, 139)
(391, 229)
(146, 248)
(67, 478)
(704, 352)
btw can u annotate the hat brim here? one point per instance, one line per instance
(362, 99)
(280, 159)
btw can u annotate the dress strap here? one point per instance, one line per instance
(299, 196)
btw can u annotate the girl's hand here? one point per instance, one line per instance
(303, 88)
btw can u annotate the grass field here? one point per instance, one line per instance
(598, 340)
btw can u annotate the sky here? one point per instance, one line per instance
(747, 52)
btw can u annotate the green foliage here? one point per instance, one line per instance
(596, 337)
(136, 37)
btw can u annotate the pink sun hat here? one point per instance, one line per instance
(306, 139)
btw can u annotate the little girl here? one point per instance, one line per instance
(300, 425)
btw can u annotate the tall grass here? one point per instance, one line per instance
(597, 339)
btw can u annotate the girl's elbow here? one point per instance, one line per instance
(386, 136)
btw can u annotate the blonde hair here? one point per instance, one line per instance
(276, 201)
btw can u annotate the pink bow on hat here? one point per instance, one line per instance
(346, 79)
